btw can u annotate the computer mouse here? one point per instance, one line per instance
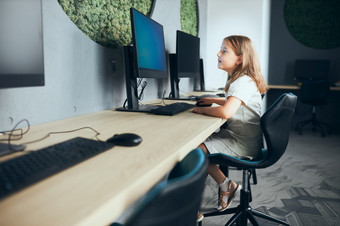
(202, 105)
(125, 139)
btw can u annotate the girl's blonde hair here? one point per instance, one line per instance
(243, 46)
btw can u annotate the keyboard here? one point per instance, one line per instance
(22, 171)
(172, 109)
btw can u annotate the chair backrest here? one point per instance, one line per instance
(314, 92)
(276, 125)
(177, 200)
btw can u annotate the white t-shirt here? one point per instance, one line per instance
(243, 135)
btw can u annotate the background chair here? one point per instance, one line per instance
(275, 123)
(314, 93)
(177, 200)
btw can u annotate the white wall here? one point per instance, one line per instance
(203, 26)
(241, 17)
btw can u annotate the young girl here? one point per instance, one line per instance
(242, 108)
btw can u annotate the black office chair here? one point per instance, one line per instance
(177, 200)
(275, 123)
(315, 93)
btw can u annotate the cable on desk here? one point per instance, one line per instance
(10, 133)
(141, 94)
(20, 136)
(163, 98)
(66, 131)
(22, 132)
(136, 94)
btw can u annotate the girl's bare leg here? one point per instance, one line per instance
(213, 169)
(227, 187)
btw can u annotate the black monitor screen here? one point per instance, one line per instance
(311, 69)
(21, 43)
(188, 55)
(149, 47)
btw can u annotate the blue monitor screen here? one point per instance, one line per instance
(148, 40)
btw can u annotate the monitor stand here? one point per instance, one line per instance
(175, 92)
(131, 85)
(201, 77)
(174, 81)
(201, 81)
(141, 108)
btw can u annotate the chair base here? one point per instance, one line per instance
(243, 212)
(241, 216)
(316, 124)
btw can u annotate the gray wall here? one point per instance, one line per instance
(76, 74)
(284, 50)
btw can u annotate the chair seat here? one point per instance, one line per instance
(224, 159)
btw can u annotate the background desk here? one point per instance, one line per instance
(293, 87)
(328, 113)
(97, 191)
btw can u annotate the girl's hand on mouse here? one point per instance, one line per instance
(205, 101)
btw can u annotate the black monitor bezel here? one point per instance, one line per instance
(21, 80)
(18, 80)
(145, 72)
(179, 36)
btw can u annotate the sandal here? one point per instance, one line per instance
(199, 217)
(223, 204)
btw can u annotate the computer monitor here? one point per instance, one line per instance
(188, 55)
(311, 70)
(146, 58)
(21, 44)
(185, 63)
(148, 46)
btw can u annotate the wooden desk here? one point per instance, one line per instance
(333, 88)
(98, 190)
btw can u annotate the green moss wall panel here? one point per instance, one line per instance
(189, 17)
(106, 22)
(314, 23)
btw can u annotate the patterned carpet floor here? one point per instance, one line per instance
(302, 188)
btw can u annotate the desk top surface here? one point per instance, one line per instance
(98, 190)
